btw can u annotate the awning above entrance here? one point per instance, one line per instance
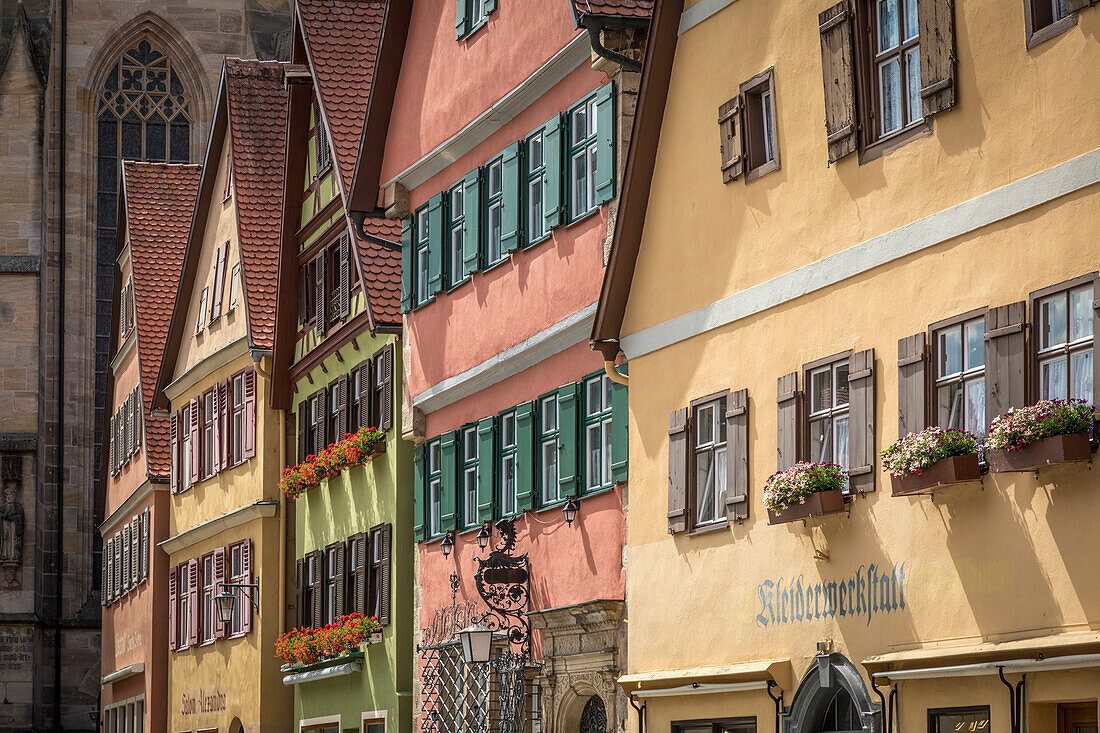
(1018, 652)
(778, 670)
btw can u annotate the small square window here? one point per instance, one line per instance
(1045, 19)
(759, 126)
(974, 719)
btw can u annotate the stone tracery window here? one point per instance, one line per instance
(594, 716)
(142, 113)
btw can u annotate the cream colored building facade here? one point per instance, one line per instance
(753, 263)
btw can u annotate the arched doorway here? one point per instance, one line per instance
(832, 698)
(593, 716)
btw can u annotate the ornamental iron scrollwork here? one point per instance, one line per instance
(594, 716)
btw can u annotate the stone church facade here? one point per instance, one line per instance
(83, 84)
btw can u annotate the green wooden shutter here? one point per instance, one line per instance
(568, 438)
(418, 493)
(605, 142)
(554, 155)
(509, 205)
(435, 244)
(471, 224)
(461, 26)
(525, 456)
(486, 460)
(449, 491)
(406, 264)
(490, 6)
(620, 409)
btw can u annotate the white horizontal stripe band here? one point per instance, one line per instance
(988, 208)
(700, 11)
(530, 90)
(553, 340)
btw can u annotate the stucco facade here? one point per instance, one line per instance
(990, 201)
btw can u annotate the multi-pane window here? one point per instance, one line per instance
(1044, 19)
(478, 12)
(828, 414)
(332, 426)
(582, 158)
(185, 447)
(209, 447)
(456, 222)
(183, 585)
(549, 489)
(536, 187)
(311, 573)
(377, 576)
(507, 454)
(758, 121)
(896, 49)
(420, 266)
(236, 575)
(435, 490)
(960, 376)
(494, 202)
(331, 609)
(710, 461)
(236, 420)
(597, 433)
(207, 618)
(1065, 344)
(953, 720)
(469, 475)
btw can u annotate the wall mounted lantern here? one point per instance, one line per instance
(570, 510)
(447, 544)
(483, 536)
(226, 601)
(477, 642)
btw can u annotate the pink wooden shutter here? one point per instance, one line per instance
(224, 409)
(219, 282)
(217, 462)
(145, 543)
(173, 601)
(248, 595)
(193, 600)
(174, 453)
(196, 453)
(344, 250)
(219, 578)
(248, 440)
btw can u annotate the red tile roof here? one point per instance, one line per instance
(382, 269)
(615, 8)
(257, 101)
(159, 200)
(342, 38)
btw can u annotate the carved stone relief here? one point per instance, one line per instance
(12, 523)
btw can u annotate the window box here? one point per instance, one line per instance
(944, 472)
(1057, 449)
(355, 450)
(375, 638)
(816, 505)
(351, 656)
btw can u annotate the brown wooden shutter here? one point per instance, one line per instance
(303, 294)
(173, 607)
(344, 250)
(737, 455)
(838, 72)
(1075, 5)
(367, 401)
(321, 420)
(248, 440)
(248, 595)
(303, 424)
(384, 575)
(384, 362)
(193, 600)
(314, 559)
(937, 55)
(1005, 359)
(912, 369)
(677, 470)
(320, 300)
(341, 388)
(299, 593)
(341, 570)
(861, 421)
(732, 141)
(145, 543)
(196, 453)
(358, 545)
(113, 449)
(787, 429)
(139, 408)
(220, 628)
(219, 282)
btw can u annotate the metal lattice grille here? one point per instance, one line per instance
(454, 697)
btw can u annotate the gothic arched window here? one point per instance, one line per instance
(594, 716)
(142, 114)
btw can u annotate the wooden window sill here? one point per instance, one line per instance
(709, 528)
(894, 140)
(1057, 28)
(770, 167)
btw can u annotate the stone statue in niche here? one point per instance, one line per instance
(12, 524)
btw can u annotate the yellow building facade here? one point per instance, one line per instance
(230, 530)
(788, 290)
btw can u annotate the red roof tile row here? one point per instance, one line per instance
(159, 200)
(616, 8)
(258, 102)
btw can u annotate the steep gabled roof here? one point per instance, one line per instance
(638, 176)
(250, 114)
(158, 199)
(342, 38)
(381, 268)
(257, 108)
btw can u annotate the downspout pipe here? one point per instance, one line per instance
(610, 351)
(640, 709)
(62, 301)
(596, 23)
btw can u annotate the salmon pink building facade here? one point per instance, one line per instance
(502, 161)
